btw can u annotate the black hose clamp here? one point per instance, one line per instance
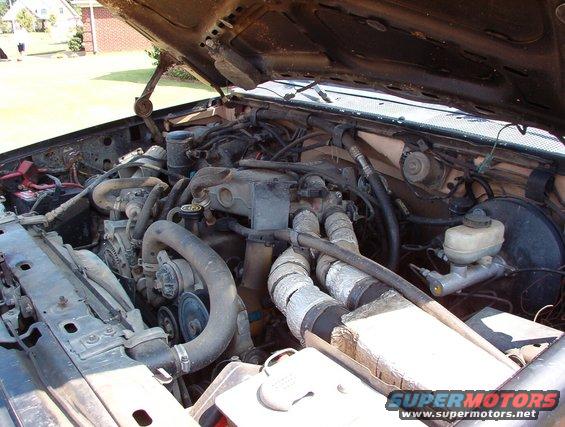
(331, 210)
(253, 116)
(293, 234)
(539, 184)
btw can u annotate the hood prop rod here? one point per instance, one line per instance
(143, 106)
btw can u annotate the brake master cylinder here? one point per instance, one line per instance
(472, 251)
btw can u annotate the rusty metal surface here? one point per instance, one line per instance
(80, 353)
(498, 59)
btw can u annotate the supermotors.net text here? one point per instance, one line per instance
(468, 415)
(472, 404)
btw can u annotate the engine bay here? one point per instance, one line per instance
(148, 275)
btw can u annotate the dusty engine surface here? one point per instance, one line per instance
(178, 267)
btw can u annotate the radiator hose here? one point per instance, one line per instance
(103, 197)
(214, 272)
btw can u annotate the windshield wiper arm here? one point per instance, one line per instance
(314, 85)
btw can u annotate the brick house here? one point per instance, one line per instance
(110, 32)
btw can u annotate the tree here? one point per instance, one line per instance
(75, 7)
(76, 41)
(26, 19)
(5, 27)
(3, 9)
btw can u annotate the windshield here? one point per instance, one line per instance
(418, 115)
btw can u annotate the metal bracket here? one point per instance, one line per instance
(6, 272)
(97, 341)
(143, 106)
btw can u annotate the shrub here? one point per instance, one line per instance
(26, 20)
(180, 73)
(154, 53)
(76, 41)
(176, 72)
(5, 26)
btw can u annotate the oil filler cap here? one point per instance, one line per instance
(477, 218)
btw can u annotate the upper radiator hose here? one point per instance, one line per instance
(214, 272)
(104, 199)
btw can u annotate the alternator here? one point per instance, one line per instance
(117, 251)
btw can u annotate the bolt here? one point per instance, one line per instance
(109, 330)
(63, 301)
(194, 326)
(92, 338)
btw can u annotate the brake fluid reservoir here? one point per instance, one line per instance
(479, 236)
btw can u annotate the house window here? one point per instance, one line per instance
(43, 11)
(60, 11)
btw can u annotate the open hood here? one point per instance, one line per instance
(504, 59)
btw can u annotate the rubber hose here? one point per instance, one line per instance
(214, 272)
(373, 269)
(295, 143)
(348, 142)
(59, 210)
(207, 177)
(103, 198)
(185, 197)
(409, 291)
(439, 222)
(389, 217)
(142, 221)
(483, 183)
(171, 200)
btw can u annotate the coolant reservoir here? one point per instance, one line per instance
(479, 236)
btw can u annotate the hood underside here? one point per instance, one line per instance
(503, 59)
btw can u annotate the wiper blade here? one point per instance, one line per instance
(314, 85)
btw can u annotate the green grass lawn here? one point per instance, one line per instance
(43, 96)
(141, 76)
(39, 44)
